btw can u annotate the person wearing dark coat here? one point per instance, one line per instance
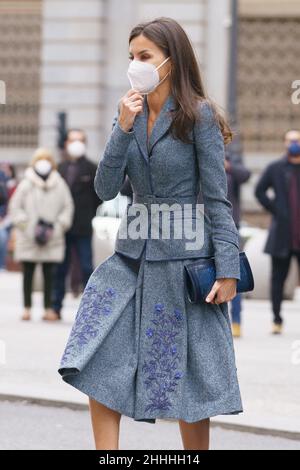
(283, 241)
(237, 174)
(79, 173)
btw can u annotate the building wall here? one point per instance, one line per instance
(20, 46)
(85, 57)
(72, 56)
(74, 62)
(267, 8)
(269, 32)
(81, 58)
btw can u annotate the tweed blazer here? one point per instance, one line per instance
(166, 170)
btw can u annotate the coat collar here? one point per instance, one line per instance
(161, 125)
(50, 182)
(287, 171)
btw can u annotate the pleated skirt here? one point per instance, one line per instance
(138, 346)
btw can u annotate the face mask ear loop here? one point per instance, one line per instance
(162, 63)
(148, 92)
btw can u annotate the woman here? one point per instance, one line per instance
(41, 211)
(138, 347)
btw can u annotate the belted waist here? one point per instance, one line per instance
(152, 199)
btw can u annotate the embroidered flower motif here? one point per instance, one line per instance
(159, 308)
(150, 332)
(161, 368)
(92, 307)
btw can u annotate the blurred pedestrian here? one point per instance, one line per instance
(41, 210)
(9, 170)
(283, 242)
(75, 274)
(79, 173)
(237, 174)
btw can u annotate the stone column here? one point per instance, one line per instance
(73, 69)
(121, 18)
(218, 23)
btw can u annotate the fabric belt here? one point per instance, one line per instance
(152, 199)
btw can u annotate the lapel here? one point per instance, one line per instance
(160, 127)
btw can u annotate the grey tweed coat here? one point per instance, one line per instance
(137, 344)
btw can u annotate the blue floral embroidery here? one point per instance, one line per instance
(160, 369)
(93, 306)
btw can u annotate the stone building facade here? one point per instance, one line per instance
(72, 56)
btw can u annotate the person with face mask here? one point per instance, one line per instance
(41, 211)
(283, 242)
(144, 76)
(138, 347)
(43, 168)
(79, 173)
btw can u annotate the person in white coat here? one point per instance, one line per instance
(41, 211)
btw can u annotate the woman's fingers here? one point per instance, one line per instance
(134, 97)
(133, 101)
(132, 92)
(212, 293)
(223, 290)
(130, 105)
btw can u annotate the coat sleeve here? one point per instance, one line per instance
(264, 183)
(239, 172)
(111, 170)
(210, 150)
(16, 211)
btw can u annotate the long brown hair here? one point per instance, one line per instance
(186, 82)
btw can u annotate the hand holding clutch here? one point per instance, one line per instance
(200, 276)
(223, 290)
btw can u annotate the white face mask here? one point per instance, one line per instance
(144, 76)
(43, 167)
(76, 149)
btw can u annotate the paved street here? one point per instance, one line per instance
(269, 377)
(60, 428)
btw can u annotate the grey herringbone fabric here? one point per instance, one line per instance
(137, 344)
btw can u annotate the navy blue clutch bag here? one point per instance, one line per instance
(200, 276)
